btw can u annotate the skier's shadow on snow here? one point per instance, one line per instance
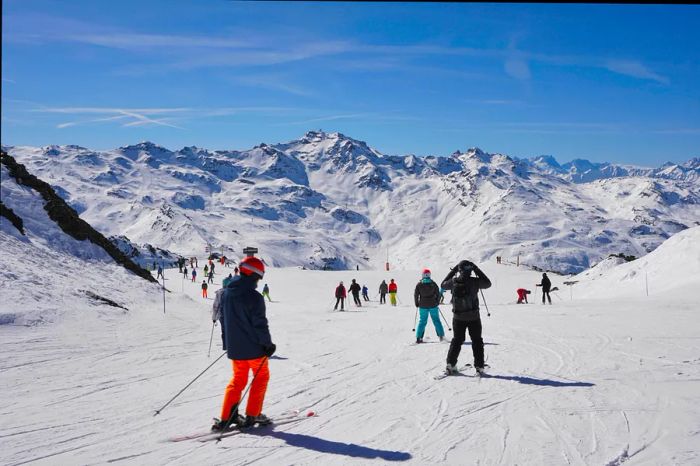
(336, 448)
(278, 357)
(541, 382)
(469, 343)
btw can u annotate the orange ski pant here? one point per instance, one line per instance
(232, 395)
(204, 293)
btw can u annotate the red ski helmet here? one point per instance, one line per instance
(252, 265)
(426, 273)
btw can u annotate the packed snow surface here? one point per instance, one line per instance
(595, 381)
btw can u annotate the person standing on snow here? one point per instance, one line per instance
(210, 277)
(206, 269)
(248, 344)
(427, 297)
(160, 272)
(266, 292)
(365, 293)
(194, 275)
(383, 290)
(204, 289)
(355, 290)
(465, 306)
(546, 287)
(212, 266)
(235, 271)
(522, 295)
(340, 296)
(392, 292)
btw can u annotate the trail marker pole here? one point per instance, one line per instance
(163, 291)
(646, 282)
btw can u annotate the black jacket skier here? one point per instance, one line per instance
(546, 287)
(355, 289)
(426, 294)
(383, 290)
(465, 306)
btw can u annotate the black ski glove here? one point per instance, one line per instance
(270, 349)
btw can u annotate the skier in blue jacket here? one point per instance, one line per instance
(248, 344)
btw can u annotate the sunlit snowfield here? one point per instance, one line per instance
(579, 382)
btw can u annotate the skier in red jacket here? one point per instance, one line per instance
(340, 295)
(522, 295)
(392, 292)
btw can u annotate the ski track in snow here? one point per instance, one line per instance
(578, 382)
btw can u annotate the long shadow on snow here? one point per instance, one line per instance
(336, 448)
(542, 382)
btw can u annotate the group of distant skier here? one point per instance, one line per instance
(384, 289)
(241, 311)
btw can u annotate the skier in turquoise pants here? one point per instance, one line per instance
(427, 298)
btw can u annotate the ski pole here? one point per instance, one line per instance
(186, 386)
(485, 305)
(414, 320)
(443, 318)
(235, 407)
(213, 324)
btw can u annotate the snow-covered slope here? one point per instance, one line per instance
(47, 274)
(327, 200)
(590, 382)
(672, 268)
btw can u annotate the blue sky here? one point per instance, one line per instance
(603, 82)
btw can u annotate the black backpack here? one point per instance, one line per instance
(460, 296)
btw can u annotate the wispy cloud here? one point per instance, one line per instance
(275, 82)
(677, 131)
(252, 48)
(365, 116)
(134, 117)
(495, 101)
(634, 69)
(156, 116)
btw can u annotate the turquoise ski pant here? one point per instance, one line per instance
(423, 321)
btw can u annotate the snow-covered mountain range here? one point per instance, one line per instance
(327, 200)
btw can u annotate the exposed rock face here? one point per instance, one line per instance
(67, 218)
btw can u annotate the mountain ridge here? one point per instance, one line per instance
(330, 199)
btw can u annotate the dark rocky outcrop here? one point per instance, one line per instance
(67, 218)
(12, 217)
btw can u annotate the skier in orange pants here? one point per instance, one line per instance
(204, 289)
(232, 395)
(248, 344)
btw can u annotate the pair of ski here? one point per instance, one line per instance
(288, 417)
(458, 371)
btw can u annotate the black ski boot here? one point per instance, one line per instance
(234, 421)
(260, 420)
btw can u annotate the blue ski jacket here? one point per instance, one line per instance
(243, 321)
